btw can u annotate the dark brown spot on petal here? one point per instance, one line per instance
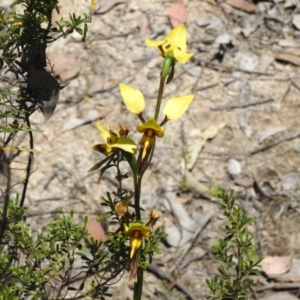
(136, 234)
(161, 49)
(149, 133)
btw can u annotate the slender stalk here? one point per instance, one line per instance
(137, 195)
(159, 98)
(138, 286)
(29, 163)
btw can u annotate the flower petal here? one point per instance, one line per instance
(135, 244)
(177, 38)
(174, 43)
(151, 124)
(114, 135)
(152, 43)
(103, 148)
(133, 98)
(104, 132)
(181, 56)
(126, 144)
(126, 229)
(143, 228)
(177, 106)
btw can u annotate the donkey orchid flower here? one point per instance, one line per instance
(136, 231)
(151, 130)
(174, 43)
(114, 139)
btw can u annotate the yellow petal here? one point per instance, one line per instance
(104, 132)
(151, 124)
(177, 38)
(135, 244)
(114, 135)
(175, 43)
(147, 143)
(143, 228)
(126, 229)
(133, 98)
(152, 43)
(181, 56)
(177, 106)
(126, 144)
(103, 148)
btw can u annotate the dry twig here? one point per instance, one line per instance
(241, 105)
(266, 147)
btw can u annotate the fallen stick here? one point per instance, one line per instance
(278, 286)
(230, 69)
(241, 105)
(266, 147)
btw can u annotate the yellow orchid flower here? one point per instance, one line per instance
(133, 98)
(151, 130)
(174, 43)
(151, 124)
(135, 103)
(114, 139)
(136, 231)
(177, 106)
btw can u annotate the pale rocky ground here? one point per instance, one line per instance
(265, 183)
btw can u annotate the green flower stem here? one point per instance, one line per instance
(137, 195)
(159, 97)
(138, 286)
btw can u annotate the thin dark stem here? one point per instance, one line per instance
(30, 160)
(159, 98)
(137, 195)
(119, 176)
(3, 220)
(138, 287)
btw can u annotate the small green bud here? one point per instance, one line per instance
(167, 65)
